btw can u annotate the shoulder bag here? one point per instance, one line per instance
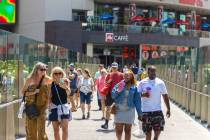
(31, 110)
(64, 108)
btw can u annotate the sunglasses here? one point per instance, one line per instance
(42, 69)
(59, 73)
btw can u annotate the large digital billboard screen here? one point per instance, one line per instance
(7, 11)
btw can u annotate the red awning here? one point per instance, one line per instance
(182, 22)
(137, 18)
(152, 19)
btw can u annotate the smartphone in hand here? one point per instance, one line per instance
(62, 81)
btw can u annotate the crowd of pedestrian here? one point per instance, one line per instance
(118, 93)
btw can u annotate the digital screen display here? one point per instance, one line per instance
(7, 11)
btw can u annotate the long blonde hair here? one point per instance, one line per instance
(37, 66)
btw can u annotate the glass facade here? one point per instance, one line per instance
(121, 15)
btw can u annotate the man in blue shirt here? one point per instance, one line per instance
(73, 77)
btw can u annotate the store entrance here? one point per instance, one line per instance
(122, 54)
(108, 59)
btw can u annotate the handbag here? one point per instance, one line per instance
(31, 110)
(64, 107)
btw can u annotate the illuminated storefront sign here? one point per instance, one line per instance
(7, 11)
(111, 37)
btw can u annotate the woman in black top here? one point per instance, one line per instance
(60, 113)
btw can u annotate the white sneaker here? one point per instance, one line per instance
(138, 133)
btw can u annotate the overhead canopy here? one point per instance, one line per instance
(182, 22)
(169, 21)
(152, 19)
(137, 18)
(205, 25)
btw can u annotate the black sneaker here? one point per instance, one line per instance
(83, 117)
(88, 115)
(105, 126)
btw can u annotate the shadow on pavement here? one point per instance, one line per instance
(97, 120)
(79, 119)
(105, 131)
(95, 110)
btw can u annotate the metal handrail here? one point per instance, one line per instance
(143, 29)
(10, 103)
(200, 93)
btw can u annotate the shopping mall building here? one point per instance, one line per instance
(116, 30)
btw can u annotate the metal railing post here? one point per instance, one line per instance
(197, 105)
(19, 123)
(204, 105)
(193, 99)
(208, 118)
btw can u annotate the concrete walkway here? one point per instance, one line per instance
(179, 127)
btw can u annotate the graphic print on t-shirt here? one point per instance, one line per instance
(155, 88)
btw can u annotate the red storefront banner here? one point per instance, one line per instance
(192, 2)
(146, 47)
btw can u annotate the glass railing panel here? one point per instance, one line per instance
(3, 66)
(12, 67)
(18, 54)
(195, 58)
(143, 29)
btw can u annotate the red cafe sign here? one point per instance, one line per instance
(192, 2)
(182, 49)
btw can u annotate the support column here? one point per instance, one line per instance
(160, 12)
(140, 56)
(89, 49)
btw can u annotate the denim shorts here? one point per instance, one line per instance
(85, 98)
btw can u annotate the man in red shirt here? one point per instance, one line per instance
(111, 80)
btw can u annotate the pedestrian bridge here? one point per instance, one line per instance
(180, 126)
(186, 75)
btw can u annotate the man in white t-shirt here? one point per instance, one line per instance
(151, 89)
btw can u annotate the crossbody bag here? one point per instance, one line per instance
(31, 110)
(64, 108)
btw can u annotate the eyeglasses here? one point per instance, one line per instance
(58, 73)
(42, 69)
